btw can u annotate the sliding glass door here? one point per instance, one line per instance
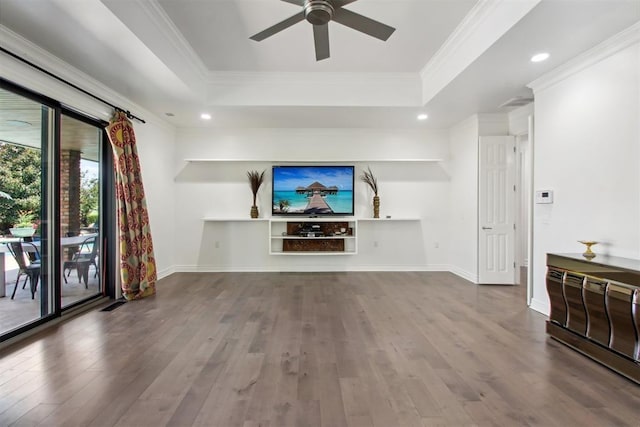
(79, 209)
(53, 222)
(27, 129)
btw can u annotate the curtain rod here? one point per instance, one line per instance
(68, 83)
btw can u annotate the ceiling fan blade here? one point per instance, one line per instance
(298, 2)
(363, 24)
(340, 3)
(321, 39)
(278, 27)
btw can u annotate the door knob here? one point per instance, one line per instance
(487, 228)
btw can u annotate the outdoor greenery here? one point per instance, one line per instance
(20, 178)
(89, 199)
(20, 170)
(25, 219)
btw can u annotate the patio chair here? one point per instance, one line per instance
(34, 257)
(84, 258)
(31, 270)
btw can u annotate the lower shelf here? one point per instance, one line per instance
(317, 244)
(334, 253)
(317, 236)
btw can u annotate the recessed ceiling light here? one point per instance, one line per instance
(423, 116)
(205, 116)
(539, 57)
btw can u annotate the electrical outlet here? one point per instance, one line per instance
(217, 244)
(436, 245)
(375, 244)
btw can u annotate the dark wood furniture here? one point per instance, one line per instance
(595, 308)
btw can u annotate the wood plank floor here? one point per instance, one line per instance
(311, 349)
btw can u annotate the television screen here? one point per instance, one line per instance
(313, 190)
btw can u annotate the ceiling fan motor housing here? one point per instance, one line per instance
(318, 12)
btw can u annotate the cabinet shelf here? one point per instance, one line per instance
(321, 253)
(313, 238)
(246, 219)
(301, 161)
(285, 239)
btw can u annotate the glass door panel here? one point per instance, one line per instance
(80, 239)
(26, 138)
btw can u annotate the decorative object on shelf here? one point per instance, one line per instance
(255, 181)
(588, 253)
(369, 179)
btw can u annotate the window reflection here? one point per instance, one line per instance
(79, 208)
(24, 136)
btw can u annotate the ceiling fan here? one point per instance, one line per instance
(319, 13)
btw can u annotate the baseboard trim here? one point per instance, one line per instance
(301, 269)
(165, 272)
(473, 278)
(540, 306)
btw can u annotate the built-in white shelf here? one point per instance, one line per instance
(337, 237)
(303, 218)
(278, 230)
(314, 253)
(306, 218)
(280, 161)
(247, 219)
(387, 219)
(279, 238)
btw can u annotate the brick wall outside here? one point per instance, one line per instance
(69, 191)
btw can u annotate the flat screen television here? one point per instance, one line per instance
(313, 190)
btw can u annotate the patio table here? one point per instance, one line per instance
(64, 242)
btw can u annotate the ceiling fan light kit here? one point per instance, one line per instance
(319, 13)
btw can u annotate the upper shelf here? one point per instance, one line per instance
(314, 161)
(303, 218)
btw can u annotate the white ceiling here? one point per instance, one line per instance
(219, 33)
(449, 58)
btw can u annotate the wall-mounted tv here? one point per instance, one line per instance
(313, 190)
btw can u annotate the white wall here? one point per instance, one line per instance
(156, 145)
(587, 150)
(463, 168)
(215, 189)
(463, 227)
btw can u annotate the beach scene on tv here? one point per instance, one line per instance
(310, 190)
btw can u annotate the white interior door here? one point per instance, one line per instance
(496, 241)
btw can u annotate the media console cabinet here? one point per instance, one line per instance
(313, 236)
(595, 308)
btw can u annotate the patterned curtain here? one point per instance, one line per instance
(137, 263)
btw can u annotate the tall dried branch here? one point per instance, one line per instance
(369, 179)
(255, 181)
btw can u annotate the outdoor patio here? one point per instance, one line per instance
(22, 309)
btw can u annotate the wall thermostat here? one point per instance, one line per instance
(544, 196)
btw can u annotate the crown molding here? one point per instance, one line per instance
(318, 89)
(521, 112)
(26, 76)
(609, 47)
(470, 122)
(170, 33)
(231, 77)
(487, 21)
(493, 118)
